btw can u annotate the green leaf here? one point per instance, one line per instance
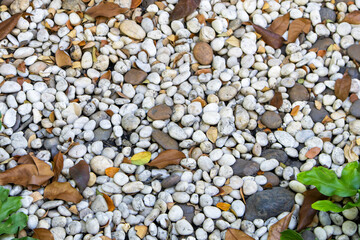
(327, 182)
(352, 204)
(11, 205)
(326, 205)
(4, 193)
(351, 175)
(14, 223)
(25, 238)
(290, 235)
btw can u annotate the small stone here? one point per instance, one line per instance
(23, 52)
(183, 227)
(239, 208)
(75, 5)
(212, 212)
(323, 43)
(271, 120)
(170, 181)
(298, 93)
(92, 226)
(164, 140)
(132, 29)
(160, 112)
(244, 168)
(7, 69)
(99, 163)
(10, 118)
(327, 14)
(175, 213)
(133, 187)
(77, 151)
(19, 6)
(130, 122)
(135, 76)
(355, 109)
(277, 154)
(272, 179)
(203, 53)
(227, 93)
(189, 212)
(354, 52)
(211, 118)
(355, 127)
(286, 139)
(10, 87)
(102, 134)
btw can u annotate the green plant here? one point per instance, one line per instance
(290, 235)
(327, 182)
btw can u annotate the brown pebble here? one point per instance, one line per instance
(160, 112)
(271, 120)
(164, 140)
(135, 76)
(298, 93)
(203, 53)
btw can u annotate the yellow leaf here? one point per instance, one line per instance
(141, 231)
(223, 206)
(233, 41)
(141, 158)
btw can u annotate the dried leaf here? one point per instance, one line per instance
(21, 67)
(276, 229)
(224, 190)
(349, 153)
(63, 191)
(200, 100)
(106, 75)
(167, 157)
(36, 196)
(135, 3)
(313, 152)
(80, 174)
(212, 134)
(111, 171)
(141, 158)
(223, 206)
(353, 97)
(280, 24)
(109, 202)
(318, 105)
(277, 100)
(31, 138)
(58, 165)
(236, 234)
(307, 213)
(141, 231)
(233, 41)
(184, 8)
(31, 173)
(353, 17)
(42, 234)
(298, 26)
(52, 116)
(270, 38)
(106, 9)
(8, 25)
(62, 59)
(295, 111)
(342, 87)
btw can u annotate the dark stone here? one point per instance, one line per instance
(164, 140)
(269, 203)
(272, 178)
(244, 168)
(352, 71)
(102, 134)
(308, 235)
(354, 52)
(135, 76)
(160, 112)
(17, 123)
(189, 212)
(298, 93)
(170, 181)
(99, 116)
(355, 108)
(317, 115)
(278, 154)
(271, 120)
(345, 1)
(327, 14)
(323, 43)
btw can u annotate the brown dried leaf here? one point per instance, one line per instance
(42, 234)
(167, 157)
(21, 67)
(106, 75)
(184, 8)
(106, 9)
(80, 174)
(353, 17)
(236, 234)
(58, 165)
(141, 231)
(277, 100)
(109, 202)
(111, 171)
(313, 152)
(62, 59)
(52, 116)
(342, 87)
(276, 229)
(298, 26)
(212, 134)
(295, 111)
(8, 25)
(36, 196)
(280, 24)
(349, 153)
(307, 213)
(135, 3)
(31, 138)
(224, 190)
(270, 38)
(200, 100)
(63, 191)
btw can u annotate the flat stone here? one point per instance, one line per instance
(10, 87)
(98, 164)
(355, 109)
(277, 154)
(164, 140)
(298, 93)
(135, 76)
(352, 71)
(99, 204)
(271, 120)
(170, 181)
(285, 139)
(160, 112)
(244, 168)
(272, 179)
(323, 43)
(102, 134)
(317, 115)
(203, 53)
(269, 203)
(227, 93)
(131, 29)
(354, 52)
(75, 5)
(327, 14)
(188, 211)
(308, 235)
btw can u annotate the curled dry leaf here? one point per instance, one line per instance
(81, 175)
(280, 24)
(353, 17)
(106, 9)
(270, 38)
(8, 25)
(166, 158)
(313, 152)
(298, 26)
(141, 158)
(106, 75)
(342, 87)
(111, 171)
(31, 138)
(109, 202)
(58, 165)
(62, 59)
(212, 134)
(276, 229)
(349, 153)
(236, 234)
(135, 3)
(277, 100)
(224, 190)
(307, 213)
(42, 234)
(63, 191)
(184, 8)
(141, 231)
(223, 206)
(31, 173)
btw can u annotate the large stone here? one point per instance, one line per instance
(298, 93)
(327, 14)
(164, 140)
(244, 168)
(317, 115)
(131, 29)
(323, 43)
(203, 53)
(277, 154)
(99, 163)
(269, 203)
(189, 212)
(354, 52)
(135, 76)
(271, 120)
(355, 109)
(160, 112)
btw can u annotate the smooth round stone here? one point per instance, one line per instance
(298, 93)
(323, 43)
(133, 187)
(203, 53)
(135, 76)
(212, 212)
(355, 127)
(7, 69)
(248, 46)
(327, 14)
(121, 178)
(100, 163)
(160, 112)
(77, 151)
(355, 109)
(131, 29)
(227, 93)
(10, 87)
(24, 52)
(211, 118)
(175, 213)
(354, 52)
(183, 227)
(317, 115)
(271, 120)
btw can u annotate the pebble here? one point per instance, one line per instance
(132, 29)
(77, 151)
(203, 53)
(100, 163)
(164, 140)
(353, 52)
(298, 93)
(10, 87)
(183, 227)
(133, 187)
(135, 76)
(160, 112)
(271, 120)
(227, 93)
(355, 109)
